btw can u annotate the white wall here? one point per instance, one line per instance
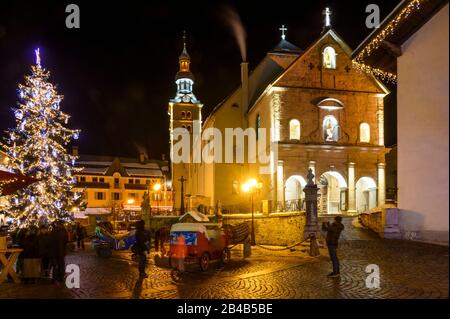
(423, 110)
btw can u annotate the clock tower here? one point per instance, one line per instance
(185, 113)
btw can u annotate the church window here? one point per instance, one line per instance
(330, 129)
(183, 115)
(364, 133)
(258, 125)
(294, 129)
(329, 58)
(189, 115)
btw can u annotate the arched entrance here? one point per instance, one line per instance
(293, 193)
(366, 194)
(332, 193)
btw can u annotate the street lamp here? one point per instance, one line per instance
(157, 188)
(252, 186)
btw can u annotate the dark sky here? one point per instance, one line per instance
(117, 71)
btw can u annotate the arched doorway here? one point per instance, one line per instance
(293, 193)
(366, 194)
(332, 193)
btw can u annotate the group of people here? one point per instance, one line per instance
(44, 250)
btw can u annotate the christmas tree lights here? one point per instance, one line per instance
(36, 146)
(358, 62)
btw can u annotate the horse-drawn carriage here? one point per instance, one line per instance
(202, 242)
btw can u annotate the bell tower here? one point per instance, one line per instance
(185, 118)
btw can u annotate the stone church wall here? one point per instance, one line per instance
(281, 229)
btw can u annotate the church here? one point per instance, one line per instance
(317, 111)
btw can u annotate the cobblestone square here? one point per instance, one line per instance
(407, 270)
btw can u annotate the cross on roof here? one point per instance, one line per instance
(282, 29)
(327, 14)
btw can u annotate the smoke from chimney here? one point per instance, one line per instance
(234, 21)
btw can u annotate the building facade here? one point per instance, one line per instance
(315, 111)
(114, 187)
(417, 54)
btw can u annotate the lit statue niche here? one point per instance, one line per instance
(329, 58)
(330, 129)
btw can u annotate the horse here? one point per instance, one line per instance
(162, 235)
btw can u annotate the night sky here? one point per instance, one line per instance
(117, 71)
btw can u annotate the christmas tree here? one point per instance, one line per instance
(36, 147)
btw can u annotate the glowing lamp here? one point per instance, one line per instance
(130, 201)
(156, 187)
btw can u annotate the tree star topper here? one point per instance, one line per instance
(38, 57)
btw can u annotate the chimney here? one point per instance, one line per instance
(141, 157)
(244, 92)
(75, 150)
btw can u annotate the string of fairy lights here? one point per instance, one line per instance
(389, 29)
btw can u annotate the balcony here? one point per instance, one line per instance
(92, 185)
(136, 186)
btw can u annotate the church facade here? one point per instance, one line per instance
(317, 113)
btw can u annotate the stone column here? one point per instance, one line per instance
(381, 184)
(280, 181)
(351, 188)
(311, 189)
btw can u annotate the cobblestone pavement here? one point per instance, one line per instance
(407, 270)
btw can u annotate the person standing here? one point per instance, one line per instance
(333, 232)
(80, 233)
(58, 242)
(44, 249)
(142, 247)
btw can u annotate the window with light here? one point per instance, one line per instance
(294, 130)
(329, 58)
(364, 133)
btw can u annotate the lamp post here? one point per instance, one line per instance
(252, 186)
(156, 189)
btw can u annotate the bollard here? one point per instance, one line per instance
(247, 248)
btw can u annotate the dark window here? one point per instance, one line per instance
(102, 179)
(95, 179)
(100, 195)
(116, 196)
(136, 181)
(130, 181)
(82, 178)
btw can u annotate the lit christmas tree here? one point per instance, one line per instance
(37, 149)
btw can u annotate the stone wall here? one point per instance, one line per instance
(280, 229)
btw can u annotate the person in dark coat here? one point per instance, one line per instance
(142, 247)
(57, 251)
(80, 233)
(30, 246)
(333, 232)
(43, 240)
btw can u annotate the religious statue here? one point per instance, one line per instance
(329, 131)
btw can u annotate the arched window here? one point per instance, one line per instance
(189, 128)
(294, 130)
(183, 115)
(330, 129)
(257, 125)
(364, 133)
(329, 58)
(189, 115)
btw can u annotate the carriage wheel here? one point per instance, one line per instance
(176, 275)
(204, 261)
(226, 256)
